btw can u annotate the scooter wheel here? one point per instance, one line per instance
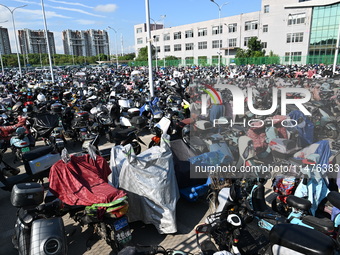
(332, 134)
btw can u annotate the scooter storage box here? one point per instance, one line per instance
(48, 237)
(43, 163)
(282, 148)
(138, 122)
(133, 112)
(27, 194)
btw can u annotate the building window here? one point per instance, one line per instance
(177, 35)
(202, 45)
(139, 30)
(232, 42)
(294, 37)
(217, 30)
(264, 45)
(189, 46)
(251, 25)
(232, 28)
(296, 56)
(166, 48)
(246, 40)
(202, 32)
(166, 37)
(265, 28)
(177, 47)
(139, 40)
(266, 9)
(217, 44)
(158, 49)
(294, 19)
(189, 34)
(156, 38)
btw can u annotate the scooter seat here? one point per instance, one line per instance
(299, 203)
(323, 225)
(124, 133)
(301, 239)
(334, 198)
(37, 153)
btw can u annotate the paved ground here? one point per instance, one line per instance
(189, 214)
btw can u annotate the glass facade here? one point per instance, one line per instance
(324, 30)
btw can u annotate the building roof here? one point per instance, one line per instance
(312, 3)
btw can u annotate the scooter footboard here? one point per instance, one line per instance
(48, 237)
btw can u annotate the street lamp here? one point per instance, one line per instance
(291, 38)
(14, 30)
(47, 41)
(154, 40)
(147, 14)
(114, 30)
(220, 32)
(336, 50)
(2, 63)
(163, 18)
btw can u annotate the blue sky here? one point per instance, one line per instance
(120, 15)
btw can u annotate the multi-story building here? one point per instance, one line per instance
(34, 41)
(86, 43)
(5, 46)
(291, 29)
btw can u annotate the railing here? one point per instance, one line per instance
(286, 60)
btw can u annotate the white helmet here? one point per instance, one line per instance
(41, 97)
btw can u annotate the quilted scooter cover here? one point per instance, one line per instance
(83, 181)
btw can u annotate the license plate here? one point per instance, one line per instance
(25, 149)
(121, 223)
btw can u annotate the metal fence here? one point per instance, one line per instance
(203, 61)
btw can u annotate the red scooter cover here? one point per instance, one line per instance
(83, 181)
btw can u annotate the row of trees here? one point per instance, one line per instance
(59, 59)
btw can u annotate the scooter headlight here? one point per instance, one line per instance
(52, 246)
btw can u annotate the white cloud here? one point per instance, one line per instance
(36, 14)
(70, 3)
(85, 22)
(105, 8)
(77, 10)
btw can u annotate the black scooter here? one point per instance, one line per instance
(37, 165)
(37, 230)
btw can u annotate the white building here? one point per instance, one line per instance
(284, 28)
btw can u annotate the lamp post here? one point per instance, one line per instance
(14, 30)
(114, 30)
(24, 53)
(291, 38)
(147, 14)
(154, 40)
(336, 50)
(220, 32)
(47, 41)
(2, 63)
(163, 18)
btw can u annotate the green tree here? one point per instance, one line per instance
(129, 56)
(143, 54)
